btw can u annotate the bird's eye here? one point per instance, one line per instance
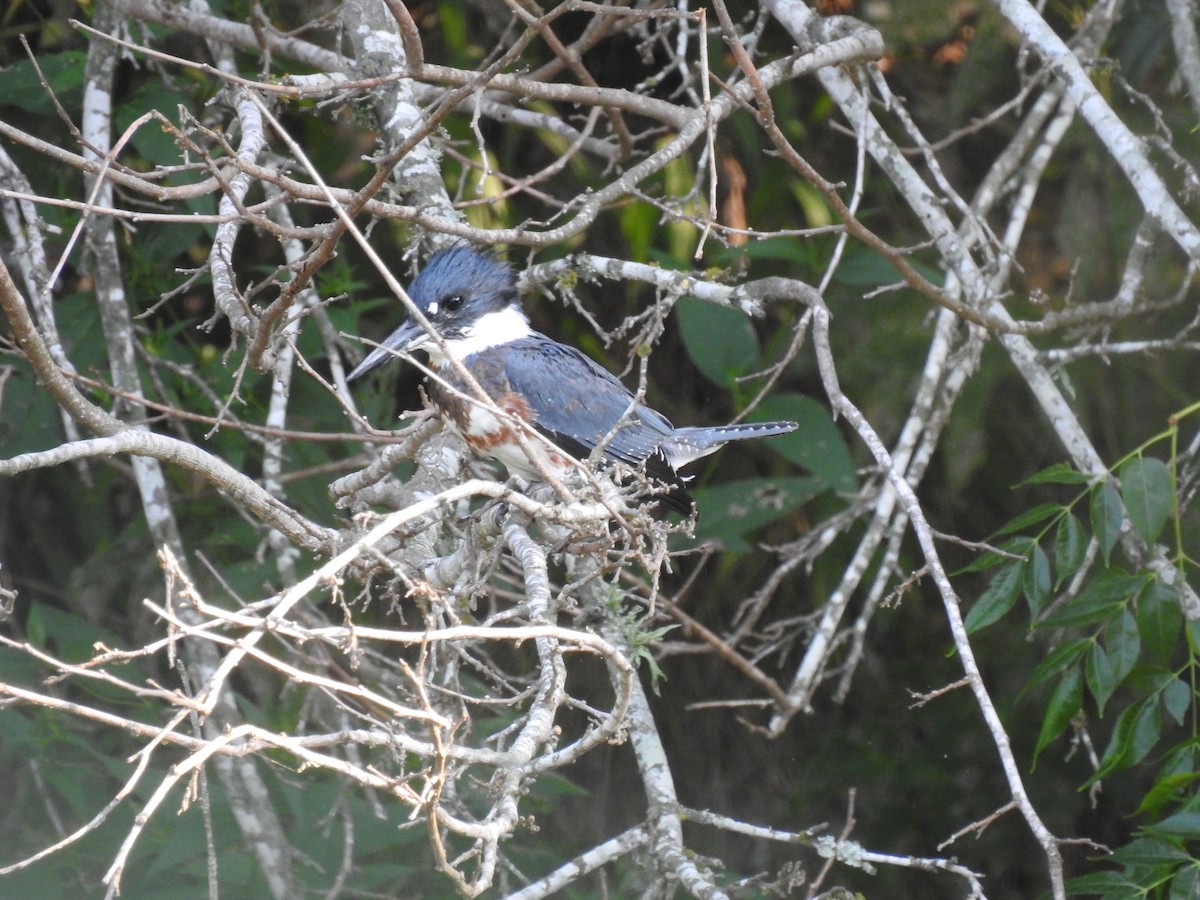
(454, 302)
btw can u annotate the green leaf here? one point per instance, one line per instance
(720, 340)
(814, 206)
(1146, 487)
(1177, 700)
(999, 597)
(1070, 548)
(1106, 517)
(1059, 473)
(1064, 705)
(70, 636)
(29, 418)
(1192, 630)
(1186, 884)
(64, 71)
(778, 249)
(1108, 883)
(1036, 580)
(732, 509)
(1101, 677)
(1104, 595)
(1150, 851)
(863, 268)
(817, 444)
(1033, 516)
(1136, 732)
(1166, 790)
(1123, 644)
(639, 224)
(1064, 656)
(1184, 824)
(1182, 759)
(1159, 619)
(151, 139)
(1018, 546)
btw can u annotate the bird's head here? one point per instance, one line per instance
(470, 298)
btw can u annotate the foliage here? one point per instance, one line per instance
(263, 632)
(1119, 633)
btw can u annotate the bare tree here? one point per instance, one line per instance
(433, 636)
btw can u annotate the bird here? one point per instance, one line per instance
(470, 299)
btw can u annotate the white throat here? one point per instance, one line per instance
(492, 330)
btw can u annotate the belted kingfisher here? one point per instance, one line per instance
(471, 300)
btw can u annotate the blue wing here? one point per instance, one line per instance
(577, 403)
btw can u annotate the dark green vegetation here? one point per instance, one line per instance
(1006, 307)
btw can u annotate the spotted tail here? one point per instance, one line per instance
(687, 445)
